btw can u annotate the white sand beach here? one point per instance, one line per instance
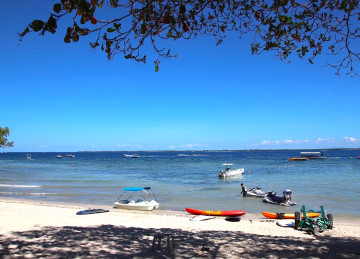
(37, 230)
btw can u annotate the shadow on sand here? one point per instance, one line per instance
(108, 241)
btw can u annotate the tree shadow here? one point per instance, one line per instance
(109, 241)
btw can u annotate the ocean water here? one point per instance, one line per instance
(187, 179)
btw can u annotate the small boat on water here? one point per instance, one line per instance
(137, 198)
(312, 155)
(131, 156)
(226, 213)
(70, 156)
(228, 172)
(298, 159)
(59, 156)
(182, 155)
(28, 157)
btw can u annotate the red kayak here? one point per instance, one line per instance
(228, 213)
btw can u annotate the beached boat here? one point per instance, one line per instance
(228, 172)
(137, 198)
(279, 215)
(298, 159)
(226, 213)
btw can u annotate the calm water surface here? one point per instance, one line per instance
(188, 180)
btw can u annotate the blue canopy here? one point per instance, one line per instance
(136, 189)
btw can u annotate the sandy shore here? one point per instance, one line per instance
(38, 230)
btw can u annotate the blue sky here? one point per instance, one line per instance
(67, 97)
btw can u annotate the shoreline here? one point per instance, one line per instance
(251, 216)
(34, 229)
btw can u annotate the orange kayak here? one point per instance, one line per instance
(228, 213)
(275, 215)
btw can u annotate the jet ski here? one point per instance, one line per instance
(279, 200)
(256, 192)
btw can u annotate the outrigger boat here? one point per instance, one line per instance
(228, 172)
(137, 198)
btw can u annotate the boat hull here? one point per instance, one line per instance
(274, 215)
(226, 213)
(231, 173)
(298, 159)
(147, 206)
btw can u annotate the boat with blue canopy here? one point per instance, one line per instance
(137, 198)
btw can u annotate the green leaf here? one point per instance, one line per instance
(110, 30)
(51, 23)
(182, 9)
(157, 65)
(37, 25)
(57, 8)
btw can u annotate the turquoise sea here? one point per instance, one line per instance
(186, 178)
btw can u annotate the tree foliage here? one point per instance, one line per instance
(4, 133)
(306, 28)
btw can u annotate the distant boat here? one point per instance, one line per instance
(59, 156)
(182, 155)
(358, 157)
(132, 156)
(312, 155)
(28, 156)
(70, 156)
(298, 159)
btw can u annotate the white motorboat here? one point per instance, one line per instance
(28, 157)
(137, 198)
(59, 156)
(228, 172)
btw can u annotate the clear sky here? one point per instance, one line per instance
(67, 97)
